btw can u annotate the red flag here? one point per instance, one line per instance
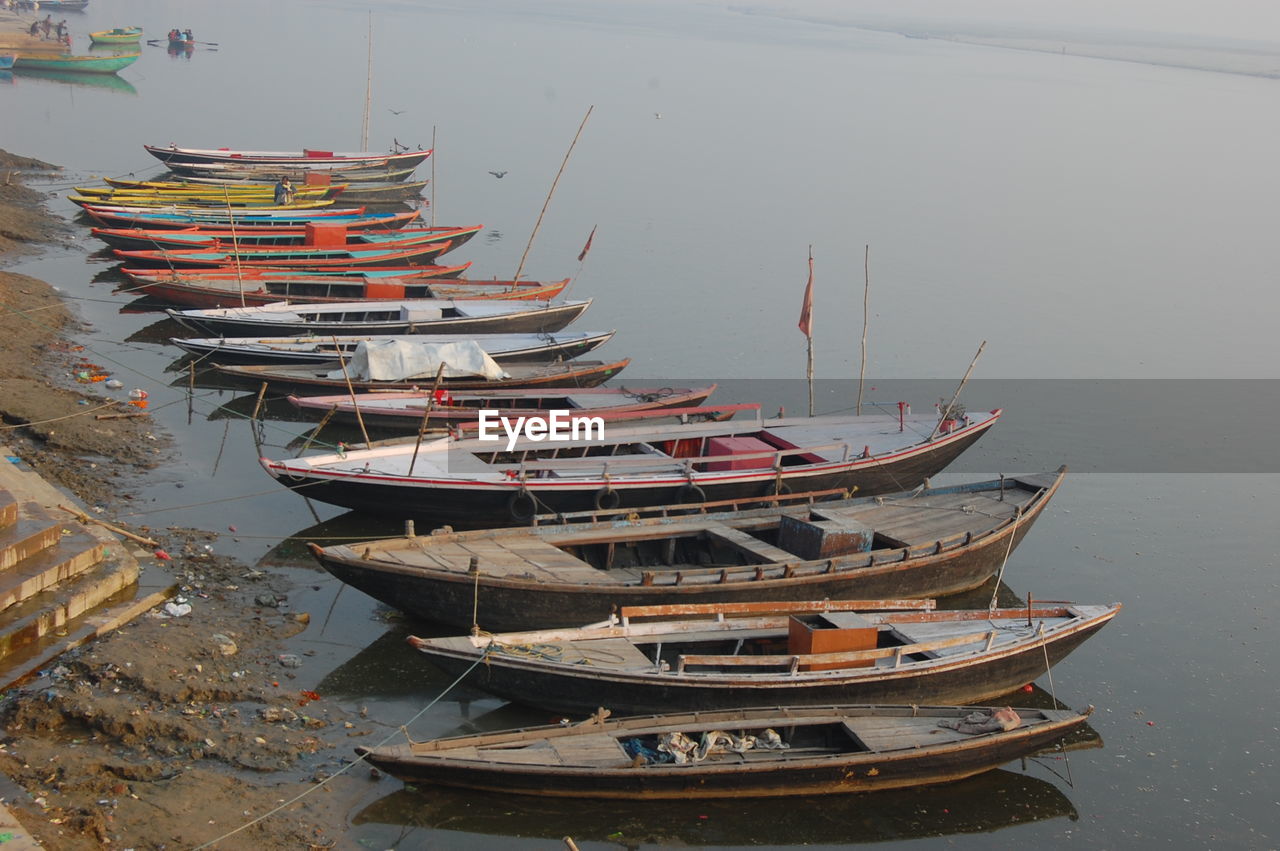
(806, 308)
(583, 256)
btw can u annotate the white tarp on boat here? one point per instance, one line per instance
(402, 360)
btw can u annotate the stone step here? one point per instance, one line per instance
(70, 556)
(48, 615)
(8, 509)
(34, 531)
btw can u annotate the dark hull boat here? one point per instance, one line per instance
(352, 218)
(173, 155)
(720, 657)
(406, 410)
(144, 239)
(520, 376)
(474, 483)
(538, 348)
(743, 753)
(261, 286)
(925, 543)
(409, 316)
(289, 257)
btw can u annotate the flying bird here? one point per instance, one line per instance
(396, 111)
(657, 115)
(497, 173)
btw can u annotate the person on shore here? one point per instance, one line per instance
(47, 25)
(284, 192)
(35, 29)
(62, 30)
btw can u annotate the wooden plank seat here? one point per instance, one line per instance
(887, 734)
(749, 545)
(598, 749)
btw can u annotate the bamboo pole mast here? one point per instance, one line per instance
(546, 203)
(368, 90)
(433, 175)
(808, 334)
(866, 297)
(956, 395)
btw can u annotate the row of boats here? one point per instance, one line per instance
(754, 597)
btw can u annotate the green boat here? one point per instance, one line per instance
(83, 64)
(119, 35)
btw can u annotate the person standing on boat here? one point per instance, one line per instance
(284, 192)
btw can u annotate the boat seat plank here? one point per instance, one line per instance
(614, 653)
(751, 546)
(597, 749)
(887, 734)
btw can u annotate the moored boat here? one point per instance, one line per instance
(295, 257)
(472, 482)
(80, 64)
(310, 378)
(543, 347)
(721, 656)
(308, 157)
(244, 221)
(923, 543)
(263, 285)
(406, 316)
(319, 234)
(407, 410)
(770, 751)
(117, 35)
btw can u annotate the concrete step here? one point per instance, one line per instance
(33, 531)
(70, 556)
(49, 613)
(8, 509)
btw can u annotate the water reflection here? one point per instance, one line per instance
(73, 78)
(983, 804)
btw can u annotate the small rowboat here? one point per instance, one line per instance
(406, 410)
(503, 348)
(929, 542)
(305, 158)
(143, 203)
(294, 257)
(471, 483)
(261, 286)
(139, 239)
(407, 316)
(311, 377)
(119, 35)
(741, 753)
(83, 64)
(690, 658)
(7, 60)
(243, 220)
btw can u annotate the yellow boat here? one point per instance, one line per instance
(198, 188)
(202, 193)
(137, 202)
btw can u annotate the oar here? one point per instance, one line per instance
(210, 43)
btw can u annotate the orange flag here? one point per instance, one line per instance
(806, 308)
(583, 255)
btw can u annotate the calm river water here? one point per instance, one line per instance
(1107, 227)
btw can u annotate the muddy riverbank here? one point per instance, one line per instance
(182, 726)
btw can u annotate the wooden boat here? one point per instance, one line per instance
(405, 316)
(719, 656)
(543, 347)
(118, 35)
(203, 197)
(310, 378)
(7, 60)
(923, 543)
(142, 239)
(247, 222)
(405, 410)
(293, 257)
(79, 64)
(384, 192)
(775, 751)
(56, 5)
(142, 204)
(262, 285)
(345, 173)
(308, 158)
(473, 482)
(364, 191)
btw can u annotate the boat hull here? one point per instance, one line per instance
(781, 777)
(501, 603)
(470, 504)
(257, 292)
(82, 64)
(959, 681)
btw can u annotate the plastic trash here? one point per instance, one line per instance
(115, 384)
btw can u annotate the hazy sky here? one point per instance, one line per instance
(1245, 19)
